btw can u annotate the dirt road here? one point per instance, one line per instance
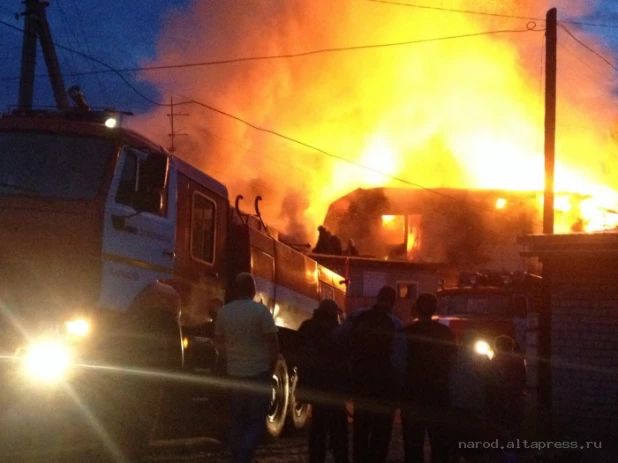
(287, 449)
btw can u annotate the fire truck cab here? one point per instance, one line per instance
(114, 257)
(488, 304)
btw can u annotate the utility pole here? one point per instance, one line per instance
(35, 25)
(173, 134)
(550, 119)
(545, 328)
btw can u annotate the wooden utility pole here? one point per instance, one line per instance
(173, 134)
(545, 377)
(550, 120)
(35, 25)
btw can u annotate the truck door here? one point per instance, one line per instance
(139, 226)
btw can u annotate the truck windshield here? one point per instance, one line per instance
(52, 165)
(475, 304)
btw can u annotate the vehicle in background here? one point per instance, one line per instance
(488, 304)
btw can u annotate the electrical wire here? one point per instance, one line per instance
(589, 48)
(486, 13)
(335, 156)
(584, 23)
(455, 10)
(87, 42)
(598, 72)
(84, 55)
(530, 27)
(67, 27)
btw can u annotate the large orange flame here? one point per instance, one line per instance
(463, 112)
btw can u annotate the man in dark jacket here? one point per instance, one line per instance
(375, 343)
(323, 375)
(425, 404)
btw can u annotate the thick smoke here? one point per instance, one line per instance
(452, 113)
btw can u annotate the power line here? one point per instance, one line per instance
(487, 13)
(84, 55)
(68, 28)
(589, 48)
(329, 154)
(87, 42)
(529, 28)
(455, 10)
(584, 23)
(598, 72)
(285, 137)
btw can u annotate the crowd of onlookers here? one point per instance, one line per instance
(442, 387)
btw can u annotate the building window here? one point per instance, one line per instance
(407, 290)
(203, 228)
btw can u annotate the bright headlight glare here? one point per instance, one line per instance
(79, 327)
(481, 347)
(111, 122)
(47, 361)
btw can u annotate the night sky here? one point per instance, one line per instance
(124, 34)
(117, 32)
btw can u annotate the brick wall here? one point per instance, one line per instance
(584, 341)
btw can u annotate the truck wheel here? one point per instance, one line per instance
(275, 420)
(299, 411)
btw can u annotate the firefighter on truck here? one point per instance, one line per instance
(112, 255)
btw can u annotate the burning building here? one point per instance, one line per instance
(463, 228)
(399, 97)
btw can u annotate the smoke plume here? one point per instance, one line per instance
(456, 112)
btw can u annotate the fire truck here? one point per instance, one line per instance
(114, 256)
(488, 304)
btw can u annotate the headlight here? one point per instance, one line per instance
(483, 348)
(78, 327)
(47, 361)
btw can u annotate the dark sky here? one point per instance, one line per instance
(124, 34)
(118, 32)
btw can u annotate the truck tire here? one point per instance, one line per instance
(298, 411)
(275, 420)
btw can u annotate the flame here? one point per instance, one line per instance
(387, 220)
(464, 113)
